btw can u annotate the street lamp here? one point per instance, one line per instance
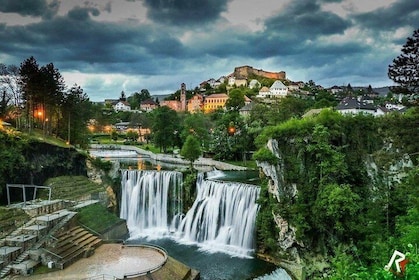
(231, 129)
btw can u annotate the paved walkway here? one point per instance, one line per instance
(200, 162)
(108, 259)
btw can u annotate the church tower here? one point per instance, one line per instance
(183, 97)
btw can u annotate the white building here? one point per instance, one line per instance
(122, 106)
(278, 89)
(264, 92)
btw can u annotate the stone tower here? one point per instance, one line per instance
(183, 97)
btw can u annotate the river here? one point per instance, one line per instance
(214, 264)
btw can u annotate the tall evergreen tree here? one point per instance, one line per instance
(404, 70)
(51, 96)
(30, 86)
(76, 110)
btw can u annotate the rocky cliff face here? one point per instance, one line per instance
(379, 167)
(278, 187)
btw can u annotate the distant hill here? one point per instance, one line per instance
(160, 97)
(382, 91)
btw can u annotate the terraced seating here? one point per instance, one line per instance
(72, 245)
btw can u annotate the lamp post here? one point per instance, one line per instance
(68, 130)
(231, 129)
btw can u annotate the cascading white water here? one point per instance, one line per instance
(222, 218)
(150, 200)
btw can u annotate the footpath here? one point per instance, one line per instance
(200, 163)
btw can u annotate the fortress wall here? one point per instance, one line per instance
(246, 71)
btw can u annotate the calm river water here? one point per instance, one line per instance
(218, 266)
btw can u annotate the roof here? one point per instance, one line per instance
(148, 102)
(248, 107)
(278, 84)
(352, 103)
(123, 102)
(217, 95)
(122, 123)
(247, 99)
(264, 89)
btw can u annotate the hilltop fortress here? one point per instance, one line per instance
(244, 72)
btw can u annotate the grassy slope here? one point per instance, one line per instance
(97, 217)
(70, 187)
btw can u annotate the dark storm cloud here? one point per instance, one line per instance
(303, 20)
(294, 31)
(34, 8)
(83, 13)
(80, 42)
(196, 40)
(399, 14)
(185, 12)
(330, 1)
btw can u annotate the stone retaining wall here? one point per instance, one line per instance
(118, 231)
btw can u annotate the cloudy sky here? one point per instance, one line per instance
(109, 46)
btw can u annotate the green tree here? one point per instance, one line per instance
(199, 125)
(280, 111)
(30, 84)
(165, 127)
(330, 164)
(336, 208)
(132, 135)
(76, 111)
(235, 100)
(114, 135)
(324, 99)
(191, 149)
(227, 144)
(42, 93)
(51, 97)
(9, 78)
(4, 101)
(404, 71)
(137, 97)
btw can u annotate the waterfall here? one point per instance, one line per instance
(278, 274)
(150, 200)
(222, 218)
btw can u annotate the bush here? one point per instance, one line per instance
(265, 155)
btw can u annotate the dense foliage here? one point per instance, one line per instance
(26, 160)
(35, 97)
(191, 150)
(356, 189)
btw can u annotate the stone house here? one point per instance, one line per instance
(148, 105)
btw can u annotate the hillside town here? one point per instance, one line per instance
(207, 99)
